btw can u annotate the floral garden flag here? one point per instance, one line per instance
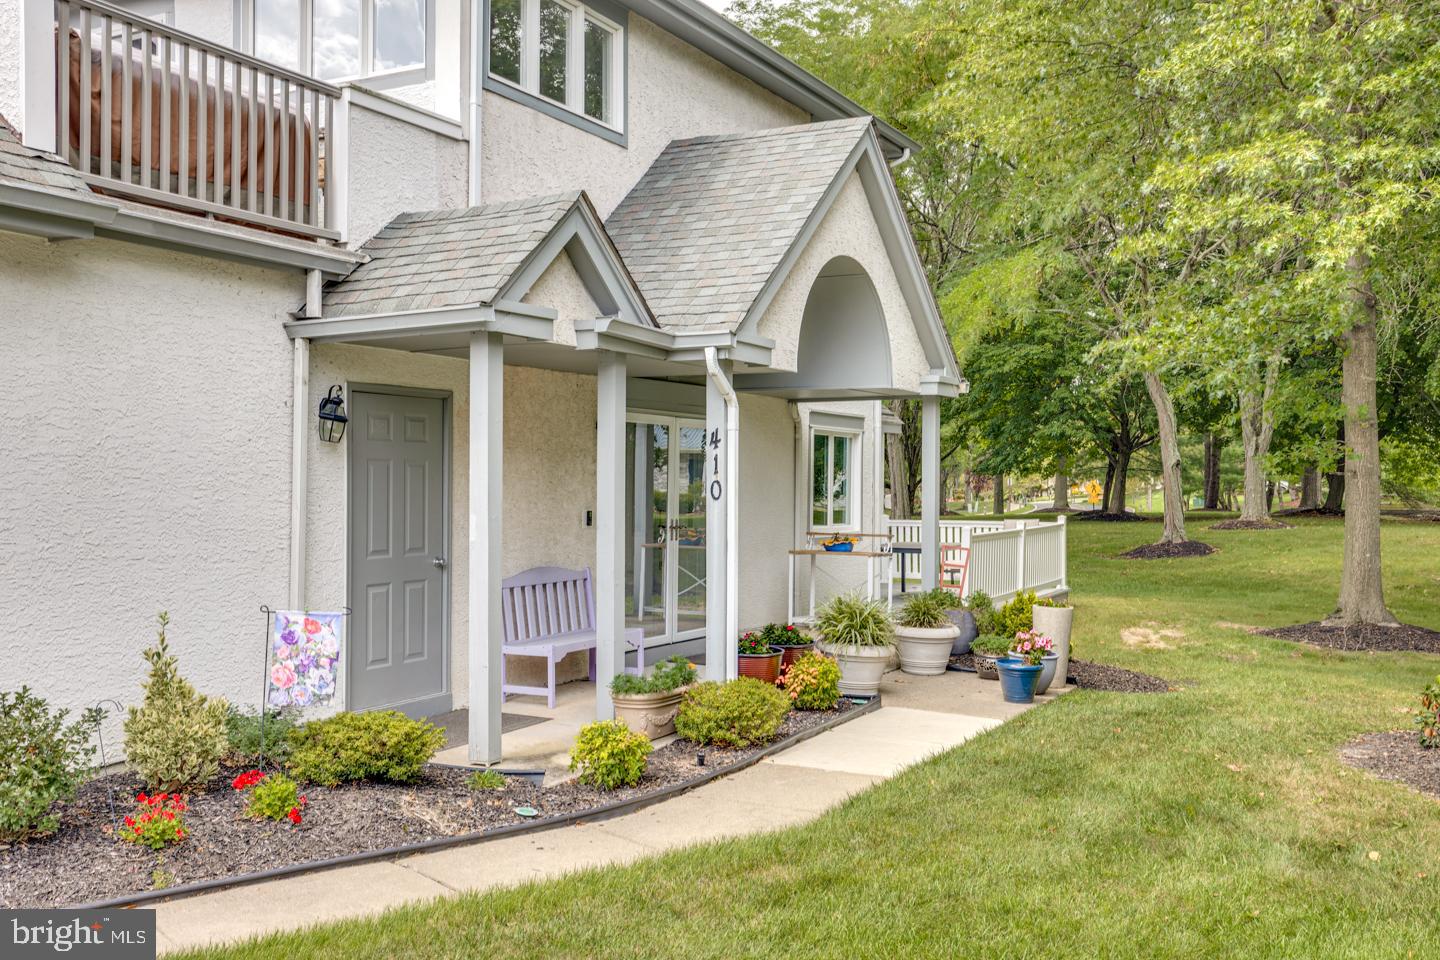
(304, 655)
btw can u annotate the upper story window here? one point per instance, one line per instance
(343, 39)
(567, 54)
(832, 467)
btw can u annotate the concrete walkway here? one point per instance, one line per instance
(921, 716)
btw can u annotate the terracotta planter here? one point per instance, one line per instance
(790, 654)
(761, 666)
(985, 667)
(652, 714)
(925, 652)
(1056, 623)
(861, 668)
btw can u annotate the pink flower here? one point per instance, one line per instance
(282, 675)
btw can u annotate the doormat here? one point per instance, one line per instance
(456, 725)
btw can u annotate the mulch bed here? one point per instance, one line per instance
(1110, 517)
(84, 862)
(1367, 636)
(1238, 524)
(1167, 551)
(1093, 676)
(1396, 756)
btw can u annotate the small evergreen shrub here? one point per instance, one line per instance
(275, 797)
(1017, 615)
(851, 620)
(486, 780)
(610, 755)
(812, 682)
(925, 611)
(43, 760)
(242, 735)
(733, 714)
(670, 675)
(1429, 718)
(175, 741)
(983, 609)
(992, 645)
(158, 821)
(385, 745)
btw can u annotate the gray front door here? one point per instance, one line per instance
(398, 561)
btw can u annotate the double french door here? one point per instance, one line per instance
(665, 527)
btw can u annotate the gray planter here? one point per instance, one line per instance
(1055, 623)
(1047, 671)
(965, 620)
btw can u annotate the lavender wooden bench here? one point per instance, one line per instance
(550, 612)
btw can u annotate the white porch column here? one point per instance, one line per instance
(487, 425)
(932, 494)
(609, 528)
(37, 76)
(717, 505)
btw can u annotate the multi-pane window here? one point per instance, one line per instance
(561, 51)
(339, 39)
(831, 486)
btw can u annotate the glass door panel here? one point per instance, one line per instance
(647, 505)
(689, 527)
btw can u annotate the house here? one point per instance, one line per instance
(604, 284)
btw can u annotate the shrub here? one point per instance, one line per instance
(925, 611)
(385, 745)
(947, 599)
(812, 682)
(273, 797)
(992, 645)
(609, 754)
(157, 822)
(735, 714)
(242, 735)
(1429, 718)
(176, 739)
(851, 620)
(486, 780)
(1016, 615)
(669, 675)
(42, 760)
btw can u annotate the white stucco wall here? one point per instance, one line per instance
(767, 509)
(396, 167)
(211, 19)
(144, 432)
(10, 107)
(848, 229)
(560, 287)
(674, 91)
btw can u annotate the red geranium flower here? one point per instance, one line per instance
(294, 814)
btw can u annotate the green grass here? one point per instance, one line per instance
(1215, 821)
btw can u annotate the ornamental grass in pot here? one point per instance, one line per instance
(986, 651)
(858, 633)
(758, 658)
(792, 642)
(648, 704)
(924, 634)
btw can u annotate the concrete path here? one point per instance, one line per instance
(921, 716)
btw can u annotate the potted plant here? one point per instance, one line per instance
(858, 634)
(1028, 641)
(791, 641)
(1018, 675)
(840, 544)
(1054, 618)
(973, 615)
(648, 704)
(924, 633)
(985, 651)
(759, 659)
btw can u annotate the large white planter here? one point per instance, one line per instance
(1055, 623)
(925, 652)
(861, 668)
(652, 714)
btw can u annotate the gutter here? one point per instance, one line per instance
(732, 511)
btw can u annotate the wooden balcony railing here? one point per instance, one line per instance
(158, 115)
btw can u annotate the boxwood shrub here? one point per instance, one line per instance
(733, 714)
(385, 745)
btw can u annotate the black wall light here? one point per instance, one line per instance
(332, 415)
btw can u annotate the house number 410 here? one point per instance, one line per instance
(716, 487)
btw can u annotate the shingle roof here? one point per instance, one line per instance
(36, 168)
(446, 258)
(712, 218)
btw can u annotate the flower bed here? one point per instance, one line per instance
(84, 861)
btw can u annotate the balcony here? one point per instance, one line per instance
(163, 117)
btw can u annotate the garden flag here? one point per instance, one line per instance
(304, 656)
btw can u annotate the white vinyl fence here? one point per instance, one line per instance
(1006, 556)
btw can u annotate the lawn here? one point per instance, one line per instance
(1215, 821)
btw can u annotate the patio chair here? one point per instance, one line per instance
(954, 561)
(550, 612)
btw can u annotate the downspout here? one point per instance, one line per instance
(299, 432)
(732, 511)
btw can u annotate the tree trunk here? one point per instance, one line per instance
(1257, 426)
(1362, 594)
(1169, 460)
(1335, 482)
(999, 479)
(1109, 483)
(1061, 500)
(901, 490)
(1213, 445)
(1310, 489)
(1116, 501)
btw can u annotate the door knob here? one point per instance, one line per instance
(439, 562)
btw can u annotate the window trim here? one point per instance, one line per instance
(611, 17)
(377, 80)
(853, 493)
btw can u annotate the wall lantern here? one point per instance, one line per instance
(332, 415)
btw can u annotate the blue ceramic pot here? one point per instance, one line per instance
(1047, 671)
(1017, 679)
(840, 547)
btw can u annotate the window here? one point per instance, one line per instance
(339, 39)
(833, 469)
(565, 53)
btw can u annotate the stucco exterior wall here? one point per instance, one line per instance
(560, 287)
(848, 229)
(10, 107)
(144, 432)
(211, 19)
(396, 167)
(767, 513)
(673, 91)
